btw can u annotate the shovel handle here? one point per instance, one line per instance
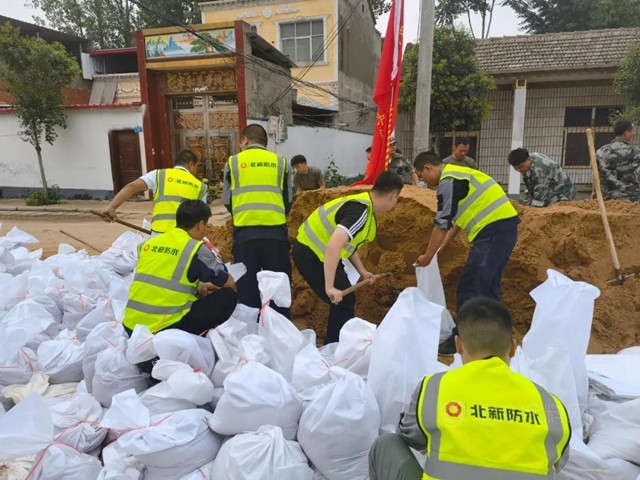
(80, 241)
(363, 283)
(122, 222)
(603, 210)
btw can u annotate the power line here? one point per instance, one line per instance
(229, 53)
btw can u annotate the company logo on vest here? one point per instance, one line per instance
(453, 409)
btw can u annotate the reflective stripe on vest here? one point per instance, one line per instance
(257, 197)
(324, 220)
(486, 202)
(161, 293)
(173, 186)
(438, 469)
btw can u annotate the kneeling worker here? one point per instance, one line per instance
(481, 420)
(170, 186)
(471, 200)
(174, 267)
(546, 181)
(334, 231)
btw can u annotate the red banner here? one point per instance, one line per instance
(386, 94)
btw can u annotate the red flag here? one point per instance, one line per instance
(386, 94)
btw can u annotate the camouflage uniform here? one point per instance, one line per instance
(465, 162)
(547, 182)
(403, 167)
(619, 165)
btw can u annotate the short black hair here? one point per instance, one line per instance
(485, 326)
(461, 141)
(388, 182)
(192, 212)
(298, 159)
(256, 134)
(426, 158)
(368, 150)
(622, 127)
(185, 157)
(518, 156)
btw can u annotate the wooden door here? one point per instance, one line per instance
(126, 164)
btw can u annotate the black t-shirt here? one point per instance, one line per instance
(352, 218)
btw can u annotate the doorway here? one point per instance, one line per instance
(208, 126)
(126, 163)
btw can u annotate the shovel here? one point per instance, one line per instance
(122, 222)
(620, 278)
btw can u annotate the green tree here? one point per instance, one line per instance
(36, 72)
(550, 16)
(627, 82)
(448, 11)
(459, 88)
(183, 11)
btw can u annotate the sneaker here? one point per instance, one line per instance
(448, 347)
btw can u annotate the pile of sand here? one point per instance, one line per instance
(568, 238)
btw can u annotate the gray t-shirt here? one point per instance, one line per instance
(465, 162)
(313, 180)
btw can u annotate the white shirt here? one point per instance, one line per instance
(151, 180)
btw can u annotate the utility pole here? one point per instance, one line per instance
(423, 92)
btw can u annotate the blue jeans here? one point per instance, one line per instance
(488, 257)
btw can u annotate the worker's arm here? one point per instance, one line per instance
(414, 177)
(320, 180)
(451, 234)
(364, 273)
(287, 192)
(409, 428)
(226, 188)
(109, 213)
(471, 163)
(338, 240)
(447, 209)
(208, 269)
(298, 190)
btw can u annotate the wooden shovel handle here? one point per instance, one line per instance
(122, 222)
(363, 283)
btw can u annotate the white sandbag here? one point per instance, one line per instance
(121, 257)
(39, 383)
(404, 351)
(203, 473)
(77, 423)
(354, 347)
(102, 313)
(15, 291)
(310, 370)
(254, 395)
(328, 352)
(140, 346)
(172, 446)
(553, 372)
(283, 340)
(585, 464)
(310, 335)
(615, 432)
(119, 465)
(338, 428)
(77, 306)
(563, 316)
(60, 462)
(17, 469)
(181, 388)
(226, 340)
(261, 455)
(629, 351)
(621, 368)
(19, 237)
(39, 320)
(103, 336)
(236, 270)
(114, 374)
(17, 365)
(61, 359)
(180, 346)
(430, 282)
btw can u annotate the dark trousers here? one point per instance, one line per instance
(258, 255)
(206, 313)
(312, 270)
(391, 459)
(488, 257)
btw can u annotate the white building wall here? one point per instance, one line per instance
(79, 161)
(323, 145)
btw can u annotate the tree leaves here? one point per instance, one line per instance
(459, 88)
(627, 83)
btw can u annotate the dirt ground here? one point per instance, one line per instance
(569, 238)
(46, 225)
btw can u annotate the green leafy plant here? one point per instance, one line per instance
(36, 72)
(37, 197)
(627, 84)
(332, 177)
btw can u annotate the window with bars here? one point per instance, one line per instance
(445, 145)
(576, 120)
(303, 41)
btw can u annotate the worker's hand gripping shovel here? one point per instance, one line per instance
(359, 285)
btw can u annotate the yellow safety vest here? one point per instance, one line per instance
(173, 186)
(484, 422)
(161, 294)
(486, 202)
(257, 188)
(316, 231)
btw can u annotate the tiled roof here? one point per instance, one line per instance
(555, 51)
